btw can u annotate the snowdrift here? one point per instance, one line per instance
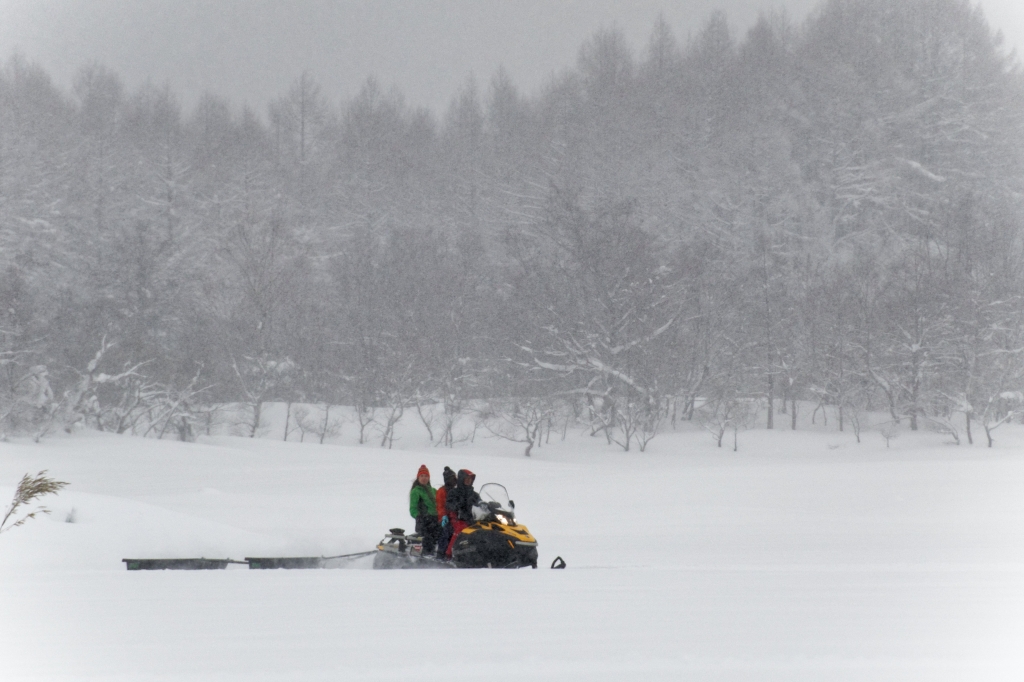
(803, 556)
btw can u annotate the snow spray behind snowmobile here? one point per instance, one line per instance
(494, 540)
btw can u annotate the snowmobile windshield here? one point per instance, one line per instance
(495, 492)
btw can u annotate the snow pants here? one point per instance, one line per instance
(428, 526)
(457, 528)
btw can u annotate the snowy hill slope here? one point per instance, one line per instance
(804, 556)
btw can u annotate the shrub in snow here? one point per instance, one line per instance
(1000, 410)
(260, 380)
(943, 424)
(520, 421)
(30, 489)
(636, 421)
(728, 412)
(889, 430)
(321, 425)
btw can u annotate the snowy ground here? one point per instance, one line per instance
(804, 556)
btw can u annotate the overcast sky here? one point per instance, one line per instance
(252, 50)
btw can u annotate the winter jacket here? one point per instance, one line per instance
(461, 499)
(421, 500)
(440, 501)
(442, 493)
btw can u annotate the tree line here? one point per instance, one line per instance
(826, 214)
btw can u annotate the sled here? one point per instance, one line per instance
(200, 564)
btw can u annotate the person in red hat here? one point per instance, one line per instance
(423, 508)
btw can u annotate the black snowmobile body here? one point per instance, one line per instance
(495, 539)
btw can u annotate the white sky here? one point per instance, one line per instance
(252, 50)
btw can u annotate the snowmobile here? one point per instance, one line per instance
(494, 540)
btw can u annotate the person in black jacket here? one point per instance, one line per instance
(442, 512)
(459, 504)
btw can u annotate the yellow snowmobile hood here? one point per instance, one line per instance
(517, 532)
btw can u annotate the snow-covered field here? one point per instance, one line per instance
(804, 556)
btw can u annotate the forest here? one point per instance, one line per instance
(723, 229)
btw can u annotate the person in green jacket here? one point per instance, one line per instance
(423, 508)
